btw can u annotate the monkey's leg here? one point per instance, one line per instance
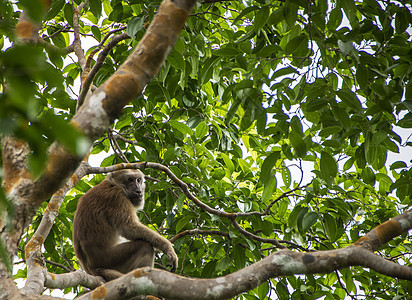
(107, 274)
(143, 257)
(123, 258)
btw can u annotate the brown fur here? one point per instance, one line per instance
(104, 214)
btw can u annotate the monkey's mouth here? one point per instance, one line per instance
(136, 198)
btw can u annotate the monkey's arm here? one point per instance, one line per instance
(138, 231)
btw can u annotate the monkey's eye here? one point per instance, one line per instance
(130, 179)
(138, 180)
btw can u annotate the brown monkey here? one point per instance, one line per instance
(105, 217)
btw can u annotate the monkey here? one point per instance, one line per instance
(105, 217)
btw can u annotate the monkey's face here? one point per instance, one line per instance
(133, 184)
(135, 190)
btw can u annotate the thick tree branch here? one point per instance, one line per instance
(385, 232)
(35, 270)
(79, 277)
(282, 263)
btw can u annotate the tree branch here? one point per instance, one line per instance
(35, 262)
(282, 263)
(78, 277)
(77, 43)
(198, 231)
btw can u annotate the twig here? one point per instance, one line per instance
(77, 43)
(198, 231)
(59, 265)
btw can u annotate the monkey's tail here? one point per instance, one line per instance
(82, 258)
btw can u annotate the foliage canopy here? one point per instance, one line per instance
(294, 104)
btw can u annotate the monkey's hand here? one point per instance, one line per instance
(172, 257)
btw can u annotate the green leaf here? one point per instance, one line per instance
(315, 104)
(68, 14)
(218, 173)
(348, 164)
(398, 165)
(55, 8)
(328, 165)
(286, 177)
(228, 162)
(350, 99)
(290, 14)
(244, 12)
(294, 215)
(402, 20)
(269, 188)
(330, 227)
(96, 33)
(135, 25)
(349, 8)
(263, 290)
(298, 144)
(360, 157)
(342, 116)
(330, 131)
(368, 176)
(296, 125)
(335, 18)
(226, 51)
(117, 13)
(362, 76)
(297, 44)
(174, 58)
(223, 264)
(201, 130)
(282, 72)
(182, 223)
(309, 220)
(207, 69)
(261, 18)
(239, 256)
(96, 9)
(183, 128)
(267, 166)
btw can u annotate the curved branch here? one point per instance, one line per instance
(282, 263)
(385, 232)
